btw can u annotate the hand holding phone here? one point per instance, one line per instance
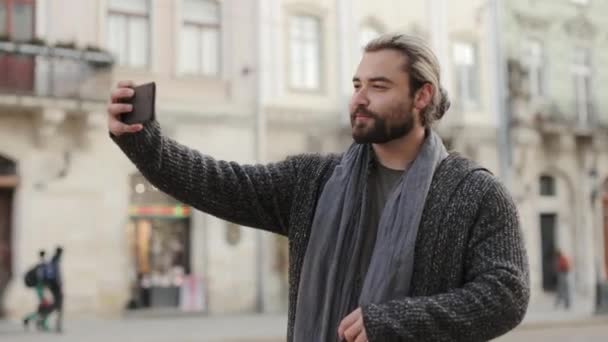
(143, 102)
(130, 107)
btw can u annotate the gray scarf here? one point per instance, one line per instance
(330, 268)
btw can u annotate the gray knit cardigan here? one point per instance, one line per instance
(470, 280)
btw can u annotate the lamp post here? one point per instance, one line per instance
(260, 142)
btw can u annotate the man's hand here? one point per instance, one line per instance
(115, 109)
(351, 328)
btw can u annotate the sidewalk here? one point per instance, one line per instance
(242, 328)
(249, 328)
(537, 320)
(559, 326)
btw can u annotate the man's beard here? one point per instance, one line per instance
(381, 131)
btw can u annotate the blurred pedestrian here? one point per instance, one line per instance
(562, 267)
(54, 282)
(35, 278)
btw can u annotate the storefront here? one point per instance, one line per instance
(159, 233)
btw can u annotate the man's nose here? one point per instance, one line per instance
(359, 98)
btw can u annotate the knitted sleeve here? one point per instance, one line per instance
(257, 196)
(493, 299)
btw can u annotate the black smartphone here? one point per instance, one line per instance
(143, 102)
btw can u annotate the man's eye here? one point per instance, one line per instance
(380, 87)
(357, 86)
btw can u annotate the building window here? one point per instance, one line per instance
(4, 29)
(305, 54)
(533, 57)
(547, 186)
(7, 166)
(17, 19)
(368, 33)
(465, 69)
(581, 69)
(129, 32)
(17, 23)
(200, 38)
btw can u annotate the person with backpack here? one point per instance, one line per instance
(52, 277)
(562, 270)
(35, 278)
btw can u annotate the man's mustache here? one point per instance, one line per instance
(363, 111)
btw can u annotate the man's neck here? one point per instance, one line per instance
(397, 154)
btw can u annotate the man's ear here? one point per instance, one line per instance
(424, 96)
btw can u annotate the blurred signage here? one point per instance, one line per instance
(173, 211)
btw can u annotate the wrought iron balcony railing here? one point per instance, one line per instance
(54, 72)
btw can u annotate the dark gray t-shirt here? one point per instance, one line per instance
(381, 182)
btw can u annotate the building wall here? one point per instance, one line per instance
(564, 153)
(563, 27)
(87, 209)
(77, 211)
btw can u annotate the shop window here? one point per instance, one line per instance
(160, 236)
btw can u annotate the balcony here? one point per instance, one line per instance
(32, 74)
(582, 120)
(586, 119)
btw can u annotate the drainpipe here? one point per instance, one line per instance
(260, 143)
(345, 37)
(500, 91)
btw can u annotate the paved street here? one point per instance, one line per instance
(261, 329)
(593, 332)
